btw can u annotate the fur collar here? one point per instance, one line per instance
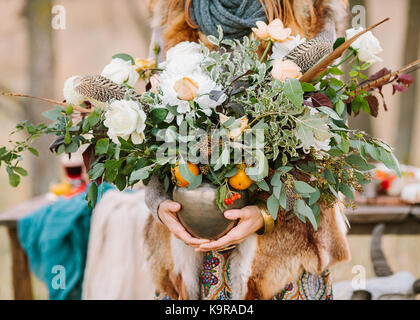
(261, 266)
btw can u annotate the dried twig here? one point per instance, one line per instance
(77, 108)
(385, 79)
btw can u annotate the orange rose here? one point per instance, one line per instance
(275, 31)
(283, 69)
(186, 88)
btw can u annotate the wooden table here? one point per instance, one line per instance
(20, 268)
(401, 219)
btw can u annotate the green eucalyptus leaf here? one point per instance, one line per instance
(263, 185)
(303, 209)
(20, 171)
(158, 115)
(283, 199)
(102, 146)
(140, 174)
(314, 197)
(97, 171)
(303, 187)
(54, 114)
(345, 189)
(124, 56)
(330, 112)
(195, 182)
(92, 195)
(293, 90)
(307, 87)
(277, 191)
(14, 179)
(358, 162)
(273, 206)
(389, 160)
(33, 151)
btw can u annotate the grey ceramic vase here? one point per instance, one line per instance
(199, 213)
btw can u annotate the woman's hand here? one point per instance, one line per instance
(167, 213)
(250, 221)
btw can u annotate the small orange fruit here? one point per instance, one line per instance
(240, 181)
(180, 181)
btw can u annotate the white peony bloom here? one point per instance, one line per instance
(119, 71)
(282, 49)
(69, 92)
(204, 86)
(186, 57)
(367, 45)
(125, 119)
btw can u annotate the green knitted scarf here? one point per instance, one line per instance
(236, 17)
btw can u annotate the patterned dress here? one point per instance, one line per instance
(215, 282)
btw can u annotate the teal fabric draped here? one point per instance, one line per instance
(55, 239)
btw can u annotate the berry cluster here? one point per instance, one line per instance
(229, 201)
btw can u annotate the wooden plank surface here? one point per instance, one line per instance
(377, 214)
(409, 226)
(10, 216)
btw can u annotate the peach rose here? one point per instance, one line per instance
(235, 133)
(262, 30)
(186, 88)
(154, 83)
(275, 31)
(283, 69)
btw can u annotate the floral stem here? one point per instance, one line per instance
(270, 42)
(345, 59)
(261, 116)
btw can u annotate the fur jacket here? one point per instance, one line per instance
(261, 266)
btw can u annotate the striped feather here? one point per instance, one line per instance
(102, 90)
(310, 52)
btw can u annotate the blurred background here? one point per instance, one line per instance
(37, 59)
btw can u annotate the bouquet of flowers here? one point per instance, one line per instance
(266, 114)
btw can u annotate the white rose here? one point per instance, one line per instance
(119, 71)
(125, 119)
(324, 143)
(282, 49)
(185, 57)
(367, 45)
(69, 92)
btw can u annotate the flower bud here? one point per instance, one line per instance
(186, 88)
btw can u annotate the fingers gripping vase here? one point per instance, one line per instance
(199, 213)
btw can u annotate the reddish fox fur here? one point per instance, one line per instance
(262, 265)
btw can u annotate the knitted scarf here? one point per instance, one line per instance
(236, 17)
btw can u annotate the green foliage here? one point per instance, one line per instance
(305, 156)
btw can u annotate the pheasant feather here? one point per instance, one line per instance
(100, 90)
(328, 60)
(310, 52)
